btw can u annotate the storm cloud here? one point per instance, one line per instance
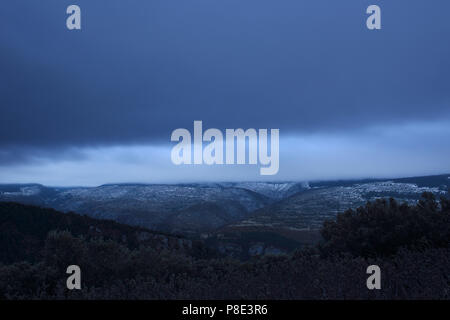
(140, 69)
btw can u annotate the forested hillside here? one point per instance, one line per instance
(411, 244)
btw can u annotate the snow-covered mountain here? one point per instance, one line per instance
(200, 207)
(174, 208)
(272, 190)
(308, 209)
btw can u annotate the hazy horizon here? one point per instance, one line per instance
(224, 182)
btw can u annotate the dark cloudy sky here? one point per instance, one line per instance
(98, 105)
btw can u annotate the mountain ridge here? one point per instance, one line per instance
(193, 208)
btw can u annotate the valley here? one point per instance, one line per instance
(240, 219)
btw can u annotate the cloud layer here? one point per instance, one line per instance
(138, 70)
(420, 149)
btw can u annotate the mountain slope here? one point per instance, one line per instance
(191, 209)
(160, 207)
(24, 229)
(308, 209)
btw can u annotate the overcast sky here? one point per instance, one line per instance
(99, 105)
